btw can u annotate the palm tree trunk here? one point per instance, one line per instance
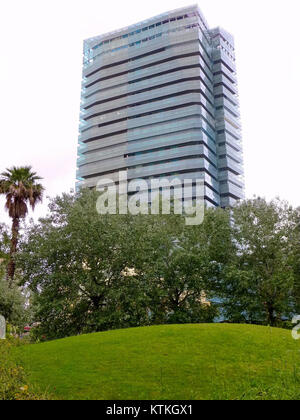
(13, 249)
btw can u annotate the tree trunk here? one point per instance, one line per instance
(13, 249)
(272, 319)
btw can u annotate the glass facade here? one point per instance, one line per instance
(160, 98)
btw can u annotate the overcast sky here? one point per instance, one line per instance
(40, 77)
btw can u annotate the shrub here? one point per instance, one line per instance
(13, 379)
(13, 304)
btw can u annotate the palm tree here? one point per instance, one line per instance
(21, 188)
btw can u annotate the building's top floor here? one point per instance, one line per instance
(183, 19)
(220, 33)
(144, 26)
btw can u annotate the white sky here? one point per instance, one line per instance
(40, 80)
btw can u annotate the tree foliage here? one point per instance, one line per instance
(4, 248)
(92, 272)
(259, 284)
(13, 304)
(180, 264)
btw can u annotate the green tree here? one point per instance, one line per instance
(21, 188)
(4, 248)
(12, 298)
(76, 262)
(92, 272)
(181, 265)
(259, 283)
(13, 304)
(296, 248)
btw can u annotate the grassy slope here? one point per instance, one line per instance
(169, 362)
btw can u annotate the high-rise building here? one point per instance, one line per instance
(160, 99)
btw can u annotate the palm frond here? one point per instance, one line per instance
(20, 186)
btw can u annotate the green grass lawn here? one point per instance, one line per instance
(214, 361)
